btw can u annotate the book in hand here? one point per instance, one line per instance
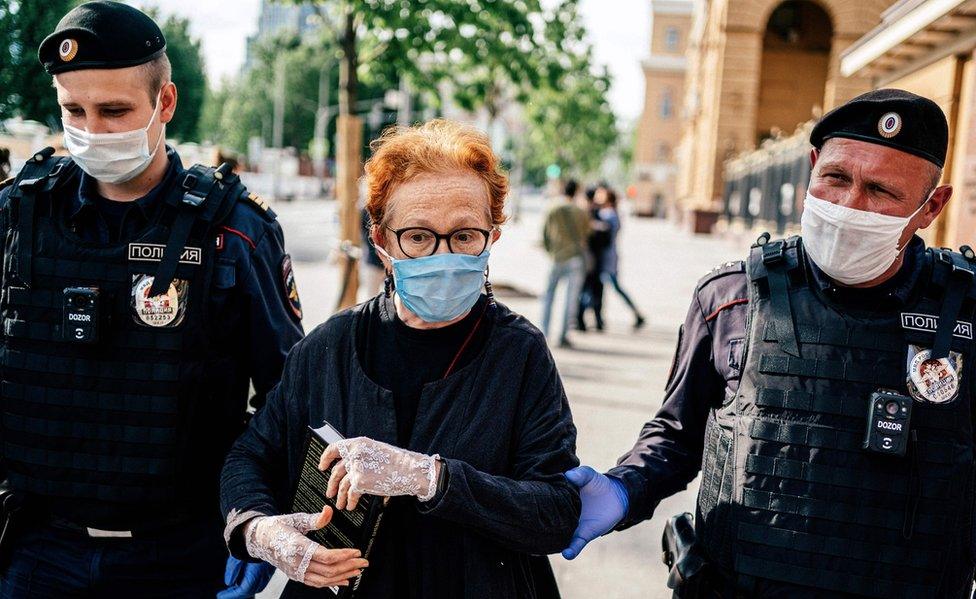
(354, 529)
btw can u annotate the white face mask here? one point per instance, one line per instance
(112, 157)
(851, 246)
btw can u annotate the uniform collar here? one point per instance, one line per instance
(897, 290)
(86, 201)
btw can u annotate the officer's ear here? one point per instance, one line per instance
(814, 154)
(167, 102)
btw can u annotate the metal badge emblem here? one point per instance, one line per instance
(68, 49)
(933, 381)
(163, 310)
(889, 124)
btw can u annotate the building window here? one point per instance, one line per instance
(671, 39)
(667, 104)
(663, 152)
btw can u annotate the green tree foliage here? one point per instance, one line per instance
(189, 76)
(243, 107)
(25, 88)
(570, 124)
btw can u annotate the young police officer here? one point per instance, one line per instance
(139, 300)
(825, 387)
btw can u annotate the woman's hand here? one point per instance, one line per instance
(281, 541)
(372, 467)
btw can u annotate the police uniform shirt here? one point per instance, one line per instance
(250, 295)
(706, 371)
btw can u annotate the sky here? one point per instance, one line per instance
(618, 29)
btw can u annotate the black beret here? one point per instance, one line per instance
(101, 35)
(890, 117)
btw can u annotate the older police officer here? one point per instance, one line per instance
(824, 387)
(139, 300)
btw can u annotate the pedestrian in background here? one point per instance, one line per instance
(610, 215)
(564, 237)
(598, 241)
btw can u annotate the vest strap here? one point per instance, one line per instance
(836, 476)
(204, 190)
(774, 259)
(41, 174)
(959, 283)
(838, 547)
(828, 369)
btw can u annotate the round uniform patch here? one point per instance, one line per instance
(163, 310)
(932, 381)
(68, 49)
(291, 287)
(889, 124)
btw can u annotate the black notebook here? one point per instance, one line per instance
(348, 529)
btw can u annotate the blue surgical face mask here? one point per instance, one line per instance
(441, 287)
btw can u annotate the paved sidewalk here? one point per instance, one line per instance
(614, 379)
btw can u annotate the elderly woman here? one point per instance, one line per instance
(451, 403)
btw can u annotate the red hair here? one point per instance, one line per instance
(436, 146)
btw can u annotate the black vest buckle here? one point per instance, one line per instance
(774, 253)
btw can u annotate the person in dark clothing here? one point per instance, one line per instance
(451, 404)
(779, 361)
(140, 301)
(611, 257)
(598, 242)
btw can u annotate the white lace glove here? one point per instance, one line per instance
(281, 541)
(377, 468)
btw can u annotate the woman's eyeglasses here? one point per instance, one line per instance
(418, 242)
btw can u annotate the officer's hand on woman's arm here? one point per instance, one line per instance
(605, 504)
(281, 541)
(376, 468)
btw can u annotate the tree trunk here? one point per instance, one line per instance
(349, 136)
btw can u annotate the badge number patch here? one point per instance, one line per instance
(933, 381)
(165, 310)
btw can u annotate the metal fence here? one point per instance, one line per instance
(765, 188)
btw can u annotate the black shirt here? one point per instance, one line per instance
(404, 359)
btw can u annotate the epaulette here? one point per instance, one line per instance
(729, 268)
(262, 207)
(7, 182)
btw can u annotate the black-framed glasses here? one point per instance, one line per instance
(418, 242)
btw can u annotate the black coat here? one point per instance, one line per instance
(503, 425)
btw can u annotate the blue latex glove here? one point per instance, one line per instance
(605, 504)
(245, 579)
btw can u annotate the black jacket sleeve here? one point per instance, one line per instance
(668, 453)
(535, 510)
(254, 475)
(274, 324)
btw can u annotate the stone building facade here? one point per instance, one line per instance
(659, 129)
(757, 68)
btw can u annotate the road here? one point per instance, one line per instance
(614, 380)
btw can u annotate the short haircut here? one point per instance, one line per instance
(158, 72)
(437, 146)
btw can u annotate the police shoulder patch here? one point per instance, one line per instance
(291, 286)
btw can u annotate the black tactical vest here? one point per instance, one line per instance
(787, 491)
(104, 433)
